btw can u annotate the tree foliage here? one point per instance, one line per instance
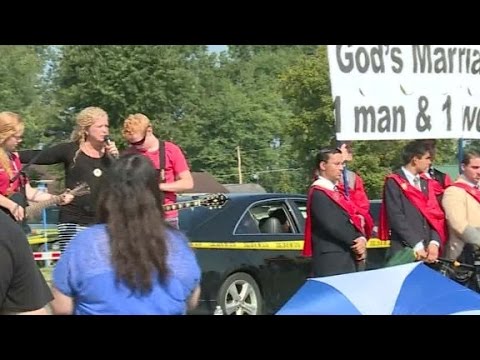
(271, 102)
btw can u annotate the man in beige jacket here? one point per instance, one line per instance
(461, 202)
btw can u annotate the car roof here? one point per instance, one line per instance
(221, 222)
(257, 196)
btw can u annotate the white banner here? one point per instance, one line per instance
(387, 92)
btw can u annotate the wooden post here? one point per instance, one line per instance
(239, 160)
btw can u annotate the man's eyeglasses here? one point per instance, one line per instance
(139, 142)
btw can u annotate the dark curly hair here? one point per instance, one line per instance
(131, 205)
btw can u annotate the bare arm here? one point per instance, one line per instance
(33, 194)
(61, 304)
(8, 204)
(184, 182)
(192, 301)
(42, 311)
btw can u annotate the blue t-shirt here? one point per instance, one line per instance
(85, 273)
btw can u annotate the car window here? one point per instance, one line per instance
(270, 217)
(248, 225)
(302, 207)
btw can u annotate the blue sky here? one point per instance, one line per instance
(217, 48)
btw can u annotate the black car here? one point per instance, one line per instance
(249, 251)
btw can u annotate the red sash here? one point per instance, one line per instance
(448, 181)
(341, 201)
(428, 207)
(469, 189)
(438, 188)
(360, 201)
(17, 184)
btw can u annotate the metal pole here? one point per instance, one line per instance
(344, 173)
(460, 155)
(43, 187)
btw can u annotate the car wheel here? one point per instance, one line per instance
(240, 295)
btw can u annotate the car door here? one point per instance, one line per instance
(281, 267)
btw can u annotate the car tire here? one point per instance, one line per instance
(240, 295)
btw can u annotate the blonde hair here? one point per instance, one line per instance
(10, 124)
(135, 123)
(84, 120)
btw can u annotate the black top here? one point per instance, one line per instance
(332, 229)
(85, 169)
(332, 237)
(407, 224)
(22, 286)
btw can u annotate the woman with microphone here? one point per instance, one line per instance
(85, 159)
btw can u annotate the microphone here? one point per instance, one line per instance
(106, 140)
(56, 133)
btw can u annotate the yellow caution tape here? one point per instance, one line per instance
(272, 245)
(38, 237)
(375, 243)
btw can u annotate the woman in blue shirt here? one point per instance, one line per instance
(131, 262)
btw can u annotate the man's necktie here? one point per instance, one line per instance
(416, 183)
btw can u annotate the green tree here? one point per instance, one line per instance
(22, 87)
(155, 80)
(206, 103)
(251, 113)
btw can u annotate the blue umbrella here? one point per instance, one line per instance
(411, 289)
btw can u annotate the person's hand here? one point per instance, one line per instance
(361, 257)
(111, 149)
(66, 198)
(17, 211)
(359, 245)
(432, 253)
(421, 254)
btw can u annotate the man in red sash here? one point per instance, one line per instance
(411, 215)
(440, 179)
(355, 190)
(334, 234)
(461, 203)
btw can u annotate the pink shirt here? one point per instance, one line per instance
(16, 166)
(175, 163)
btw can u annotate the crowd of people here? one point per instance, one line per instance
(119, 258)
(422, 210)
